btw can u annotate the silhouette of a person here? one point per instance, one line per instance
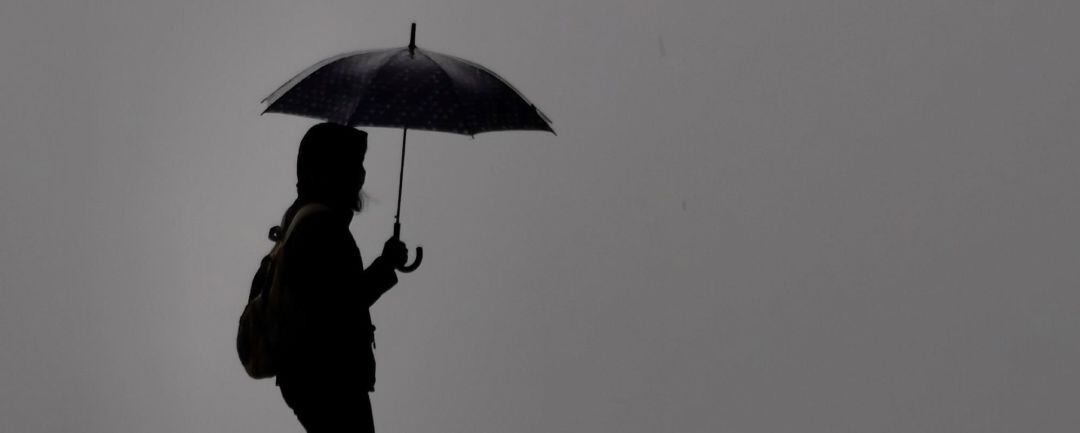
(327, 366)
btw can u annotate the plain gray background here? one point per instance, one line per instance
(757, 216)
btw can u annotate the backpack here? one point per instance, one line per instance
(258, 338)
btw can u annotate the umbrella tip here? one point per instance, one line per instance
(412, 38)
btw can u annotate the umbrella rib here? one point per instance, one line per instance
(504, 81)
(303, 75)
(378, 72)
(472, 129)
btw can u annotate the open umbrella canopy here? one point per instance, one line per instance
(409, 88)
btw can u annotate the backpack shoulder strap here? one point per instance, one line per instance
(277, 253)
(280, 236)
(306, 210)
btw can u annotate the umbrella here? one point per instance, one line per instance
(407, 88)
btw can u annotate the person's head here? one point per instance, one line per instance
(330, 165)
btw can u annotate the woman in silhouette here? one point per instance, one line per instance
(327, 366)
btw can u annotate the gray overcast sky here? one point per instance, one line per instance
(812, 216)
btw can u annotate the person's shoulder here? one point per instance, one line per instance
(318, 222)
(314, 212)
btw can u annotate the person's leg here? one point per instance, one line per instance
(325, 410)
(305, 405)
(348, 411)
(365, 422)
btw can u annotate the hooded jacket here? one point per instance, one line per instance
(327, 333)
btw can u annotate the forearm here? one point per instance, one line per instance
(377, 279)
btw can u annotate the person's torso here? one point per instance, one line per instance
(328, 331)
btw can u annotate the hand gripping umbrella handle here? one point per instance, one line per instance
(416, 262)
(419, 252)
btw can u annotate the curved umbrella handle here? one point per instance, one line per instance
(419, 252)
(416, 262)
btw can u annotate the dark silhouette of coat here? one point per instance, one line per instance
(327, 364)
(329, 329)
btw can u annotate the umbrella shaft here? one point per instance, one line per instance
(401, 177)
